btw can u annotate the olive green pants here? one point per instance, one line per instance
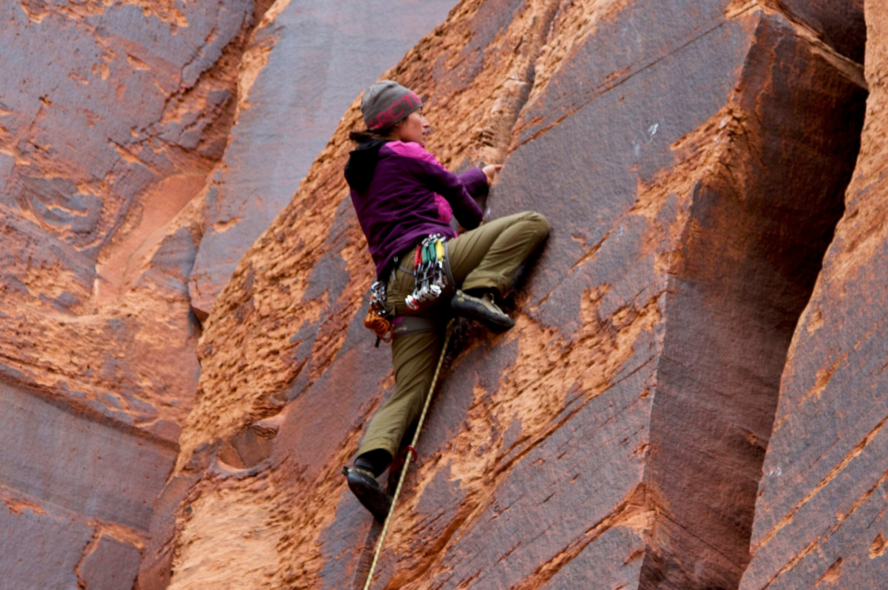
(485, 258)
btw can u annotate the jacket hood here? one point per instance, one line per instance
(362, 164)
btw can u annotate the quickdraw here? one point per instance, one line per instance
(430, 278)
(377, 318)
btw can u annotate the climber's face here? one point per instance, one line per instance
(414, 128)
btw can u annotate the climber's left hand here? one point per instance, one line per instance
(490, 171)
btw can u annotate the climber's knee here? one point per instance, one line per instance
(537, 224)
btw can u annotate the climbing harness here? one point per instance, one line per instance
(429, 272)
(377, 318)
(431, 278)
(409, 324)
(411, 453)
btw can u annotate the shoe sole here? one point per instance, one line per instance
(476, 311)
(372, 498)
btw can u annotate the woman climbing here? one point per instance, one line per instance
(402, 196)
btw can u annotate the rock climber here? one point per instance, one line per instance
(402, 195)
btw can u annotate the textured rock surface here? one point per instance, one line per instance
(820, 516)
(305, 64)
(102, 151)
(114, 119)
(111, 116)
(839, 24)
(692, 159)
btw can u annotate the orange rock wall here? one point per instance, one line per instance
(115, 118)
(111, 115)
(692, 161)
(820, 515)
(305, 63)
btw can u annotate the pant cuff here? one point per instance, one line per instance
(484, 281)
(378, 443)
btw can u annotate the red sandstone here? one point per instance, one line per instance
(692, 397)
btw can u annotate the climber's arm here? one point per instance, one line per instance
(458, 190)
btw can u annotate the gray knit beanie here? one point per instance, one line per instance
(386, 103)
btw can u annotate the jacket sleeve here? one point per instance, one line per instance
(456, 189)
(475, 182)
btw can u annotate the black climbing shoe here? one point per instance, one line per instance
(483, 310)
(369, 493)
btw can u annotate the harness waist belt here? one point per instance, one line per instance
(408, 324)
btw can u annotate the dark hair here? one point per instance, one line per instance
(366, 135)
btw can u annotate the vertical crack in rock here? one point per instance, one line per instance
(88, 550)
(820, 512)
(757, 232)
(496, 136)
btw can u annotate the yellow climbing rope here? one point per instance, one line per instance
(425, 409)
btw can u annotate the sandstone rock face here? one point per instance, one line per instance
(114, 120)
(820, 516)
(305, 64)
(692, 159)
(111, 116)
(837, 23)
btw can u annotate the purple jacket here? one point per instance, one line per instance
(394, 187)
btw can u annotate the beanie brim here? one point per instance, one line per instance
(396, 113)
